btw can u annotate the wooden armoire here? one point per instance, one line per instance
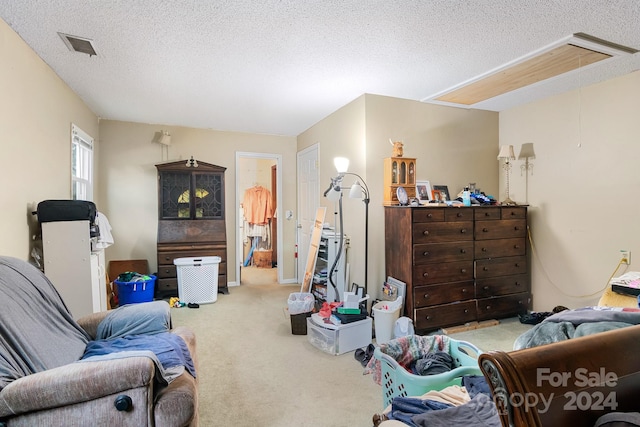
(191, 219)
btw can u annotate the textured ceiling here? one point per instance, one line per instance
(280, 66)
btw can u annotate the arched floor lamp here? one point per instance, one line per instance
(359, 190)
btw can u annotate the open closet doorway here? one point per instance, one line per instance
(258, 223)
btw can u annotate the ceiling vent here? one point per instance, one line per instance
(78, 44)
(563, 56)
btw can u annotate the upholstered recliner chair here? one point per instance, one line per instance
(48, 379)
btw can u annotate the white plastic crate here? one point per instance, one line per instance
(338, 339)
(197, 279)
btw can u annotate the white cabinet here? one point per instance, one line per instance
(77, 273)
(327, 252)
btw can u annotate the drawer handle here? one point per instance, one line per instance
(425, 274)
(517, 283)
(485, 230)
(425, 253)
(516, 228)
(484, 249)
(517, 265)
(464, 290)
(463, 251)
(458, 214)
(463, 270)
(512, 213)
(166, 271)
(425, 232)
(485, 269)
(464, 230)
(516, 246)
(428, 317)
(487, 214)
(426, 296)
(486, 288)
(488, 307)
(429, 215)
(466, 310)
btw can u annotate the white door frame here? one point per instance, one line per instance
(238, 235)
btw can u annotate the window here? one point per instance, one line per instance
(81, 164)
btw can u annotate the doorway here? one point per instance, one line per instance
(258, 223)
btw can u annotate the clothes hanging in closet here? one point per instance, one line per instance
(257, 205)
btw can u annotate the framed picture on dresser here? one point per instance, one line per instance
(444, 192)
(423, 191)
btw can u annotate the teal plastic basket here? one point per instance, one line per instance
(398, 382)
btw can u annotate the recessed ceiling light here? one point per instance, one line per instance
(563, 56)
(78, 44)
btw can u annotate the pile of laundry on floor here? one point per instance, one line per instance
(469, 404)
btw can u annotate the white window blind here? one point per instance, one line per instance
(81, 164)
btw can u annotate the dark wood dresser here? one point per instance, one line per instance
(191, 221)
(460, 264)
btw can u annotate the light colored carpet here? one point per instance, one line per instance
(258, 276)
(254, 372)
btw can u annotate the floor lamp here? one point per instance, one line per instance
(359, 190)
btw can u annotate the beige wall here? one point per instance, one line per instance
(128, 182)
(582, 192)
(452, 146)
(36, 113)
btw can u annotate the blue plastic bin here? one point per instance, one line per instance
(136, 292)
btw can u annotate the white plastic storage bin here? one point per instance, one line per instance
(197, 279)
(338, 339)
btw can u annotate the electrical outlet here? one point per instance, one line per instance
(625, 256)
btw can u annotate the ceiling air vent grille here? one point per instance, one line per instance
(78, 44)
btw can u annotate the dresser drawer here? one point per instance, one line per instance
(442, 252)
(503, 306)
(500, 248)
(440, 316)
(442, 232)
(428, 215)
(503, 285)
(166, 258)
(424, 296)
(458, 214)
(514, 212)
(167, 271)
(500, 267)
(503, 229)
(167, 285)
(487, 213)
(428, 274)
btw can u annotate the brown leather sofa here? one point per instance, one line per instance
(568, 383)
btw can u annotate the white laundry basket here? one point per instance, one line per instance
(197, 279)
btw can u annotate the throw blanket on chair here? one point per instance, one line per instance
(37, 332)
(168, 351)
(142, 330)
